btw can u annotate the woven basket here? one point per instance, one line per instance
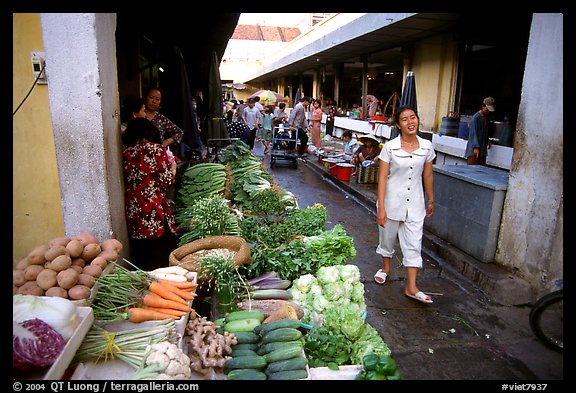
(185, 256)
(367, 174)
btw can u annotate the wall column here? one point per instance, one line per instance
(85, 120)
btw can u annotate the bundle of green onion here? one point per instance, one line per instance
(117, 291)
(101, 345)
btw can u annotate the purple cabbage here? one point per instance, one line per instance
(35, 345)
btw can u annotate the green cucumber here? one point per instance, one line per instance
(247, 337)
(219, 322)
(241, 325)
(242, 352)
(245, 314)
(289, 374)
(282, 334)
(269, 347)
(257, 362)
(246, 374)
(296, 363)
(283, 354)
(264, 328)
(253, 347)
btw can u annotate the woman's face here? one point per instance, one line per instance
(408, 122)
(153, 100)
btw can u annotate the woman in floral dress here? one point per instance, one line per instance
(148, 173)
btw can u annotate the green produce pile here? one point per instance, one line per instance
(379, 368)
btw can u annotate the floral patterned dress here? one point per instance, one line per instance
(167, 128)
(147, 176)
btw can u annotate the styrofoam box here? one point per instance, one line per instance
(117, 369)
(343, 373)
(58, 368)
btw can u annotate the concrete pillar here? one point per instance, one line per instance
(85, 119)
(531, 235)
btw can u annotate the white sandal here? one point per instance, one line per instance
(380, 274)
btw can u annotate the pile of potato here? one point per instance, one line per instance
(65, 267)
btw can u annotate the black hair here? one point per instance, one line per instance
(306, 98)
(150, 89)
(140, 128)
(129, 106)
(282, 105)
(347, 134)
(402, 109)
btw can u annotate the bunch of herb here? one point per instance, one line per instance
(304, 255)
(209, 216)
(269, 231)
(222, 277)
(308, 221)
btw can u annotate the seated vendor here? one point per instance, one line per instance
(350, 143)
(370, 150)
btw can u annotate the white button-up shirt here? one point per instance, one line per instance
(404, 199)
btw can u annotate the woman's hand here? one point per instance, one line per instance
(430, 208)
(381, 218)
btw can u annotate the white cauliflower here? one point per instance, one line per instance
(164, 361)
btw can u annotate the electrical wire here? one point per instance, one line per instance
(32, 88)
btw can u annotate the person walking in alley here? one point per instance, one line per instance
(297, 121)
(252, 117)
(405, 165)
(478, 142)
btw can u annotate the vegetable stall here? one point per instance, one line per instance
(258, 289)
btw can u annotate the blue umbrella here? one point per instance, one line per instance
(409, 91)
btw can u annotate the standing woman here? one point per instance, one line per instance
(148, 173)
(405, 165)
(170, 133)
(316, 120)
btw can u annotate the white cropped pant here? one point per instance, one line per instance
(410, 238)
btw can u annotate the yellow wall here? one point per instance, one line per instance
(434, 73)
(36, 210)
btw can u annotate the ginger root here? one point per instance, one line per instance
(207, 349)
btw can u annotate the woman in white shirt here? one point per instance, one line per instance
(405, 166)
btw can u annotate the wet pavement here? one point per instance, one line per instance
(464, 335)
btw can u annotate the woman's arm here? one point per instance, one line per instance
(428, 178)
(382, 183)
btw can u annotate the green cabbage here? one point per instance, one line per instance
(328, 274)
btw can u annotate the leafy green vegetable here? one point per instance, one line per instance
(303, 256)
(325, 348)
(369, 342)
(345, 319)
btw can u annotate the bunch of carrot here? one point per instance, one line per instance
(165, 299)
(137, 297)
